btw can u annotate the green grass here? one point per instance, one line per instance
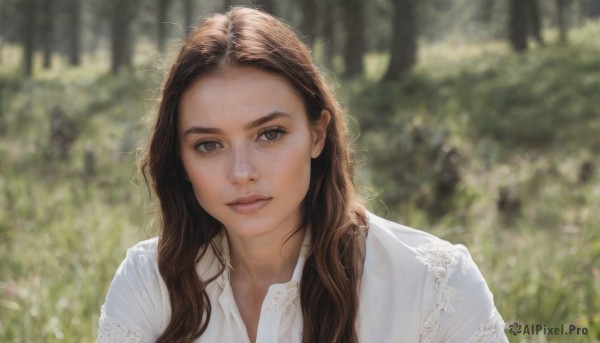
(63, 233)
(524, 122)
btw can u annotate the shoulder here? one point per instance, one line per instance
(143, 252)
(140, 264)
(140, 261)
(438, 259)
(383, 229)
(137, 306)
(148, 246)
(134, 308)
(411, 248)
(413, 255)
(441, 279)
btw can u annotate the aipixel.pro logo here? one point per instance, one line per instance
(541, 329)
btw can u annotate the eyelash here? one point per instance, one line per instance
(277, 129)
(201, 143)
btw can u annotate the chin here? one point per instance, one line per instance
(246, 231)
(246, 223)
(247, 226)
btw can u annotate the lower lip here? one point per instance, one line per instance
(249, 207)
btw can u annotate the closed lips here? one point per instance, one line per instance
(249, 205)
(246, 200)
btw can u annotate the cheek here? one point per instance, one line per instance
(292, 167)
(204, 180)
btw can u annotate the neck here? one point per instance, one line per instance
(264, 261)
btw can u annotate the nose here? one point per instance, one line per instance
(242, 168)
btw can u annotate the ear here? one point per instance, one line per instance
(319, 134)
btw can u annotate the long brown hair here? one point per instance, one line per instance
(330, 279)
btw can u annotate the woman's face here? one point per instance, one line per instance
(246, 146)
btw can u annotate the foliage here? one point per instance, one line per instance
(524, 123)
(64, 229)
(536, 99)
(504, 102)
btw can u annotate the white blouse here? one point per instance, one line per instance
(415, 287)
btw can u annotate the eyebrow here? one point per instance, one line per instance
(252, 125)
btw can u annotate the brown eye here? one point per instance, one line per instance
(207, 146)
(271, 135)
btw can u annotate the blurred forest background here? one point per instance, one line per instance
(479, 122)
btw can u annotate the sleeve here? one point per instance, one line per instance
(133, 305)
(459, 306)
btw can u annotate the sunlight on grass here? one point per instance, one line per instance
(527, 124)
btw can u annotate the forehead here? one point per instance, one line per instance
(238, 94)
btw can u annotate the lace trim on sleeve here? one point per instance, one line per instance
(439, 257)
(492, 330)
(111, 331)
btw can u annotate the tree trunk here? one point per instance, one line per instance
(119, 33)
(403, 50)
(354, 45)
(328, 32)
(484, 14)
(47, 26)
(309, 20)
(28, 9)
(188, 15)
(163, 9)
(561, 7)
(121, 39)
(533, 10)
(265, 5)
(74, 33)
(2, 32)
(593, 8)
(98, 22)
(517, 25)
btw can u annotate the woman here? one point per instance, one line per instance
(262, 237)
